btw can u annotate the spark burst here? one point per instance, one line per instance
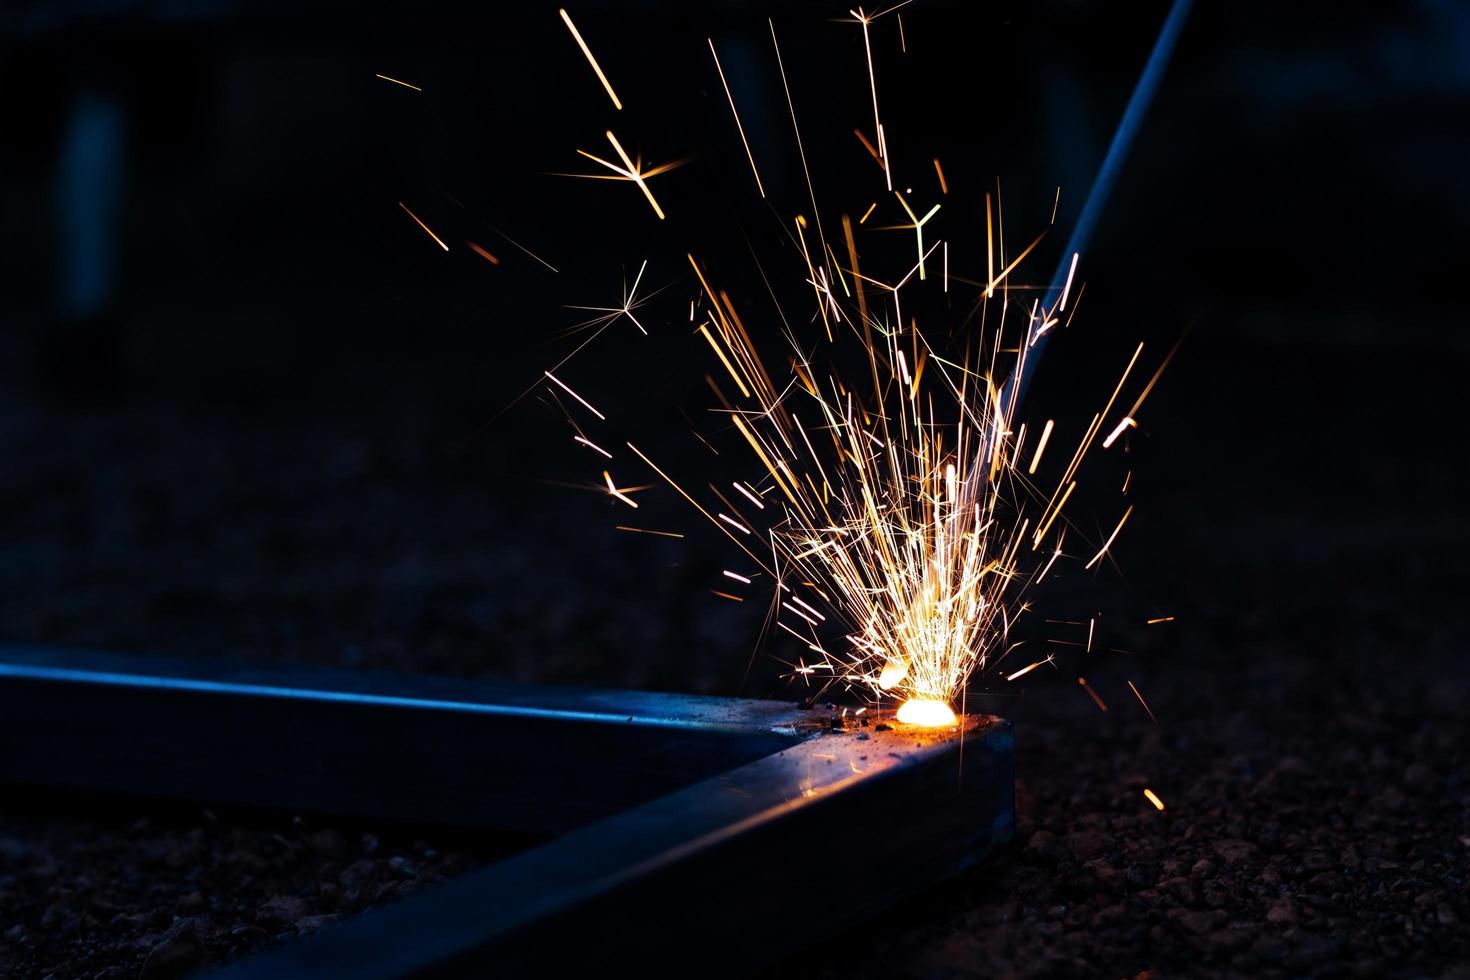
(892, 514)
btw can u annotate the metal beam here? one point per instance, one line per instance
(436, 750)
(719, 878)
(754, 827)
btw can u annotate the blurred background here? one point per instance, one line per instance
(249, 409)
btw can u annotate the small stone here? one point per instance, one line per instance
(1445, 914)
(1231, 938)
(1088, 844)
(280, 909)
(1317, 861)
(404, 867)
(1281, 910)
(123, 922)
(1198, 923)
(1042, 847)
(180, 952)
(55, 917)
(358, 875)
(311, 923)
(1181, 889)
(247, 934)
(1327, 882)
(190, 904)
(1101, 870)
(1236, 853)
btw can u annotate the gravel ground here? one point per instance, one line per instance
(1330, 841)
(165, 892)
(1311, 744)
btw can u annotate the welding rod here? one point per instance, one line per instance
(1102, 185)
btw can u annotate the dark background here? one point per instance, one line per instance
(248, 409)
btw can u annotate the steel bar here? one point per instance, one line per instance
(435, 750)
(698, 822)
(719, 878)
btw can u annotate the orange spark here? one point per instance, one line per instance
(629, 171)
(918, 227)
(1143, 702)
(1041, 446)
(644, 530)
(872, 150)
(395, 81)
(750, 156)
(1029, 668)
(425, 227)
(734, 523)
(1092, 694)
(752, 497)
(1124, 425)
(482, 253)
(704, 329)
(588, 405)
(634, 175)
(1072, 271)
(1104, 550)
(592, 445)
(989, 248)
(618, 493)
(576, 35)
(1153, 798)
(865, 20)
(1041, 531)
(943, 185)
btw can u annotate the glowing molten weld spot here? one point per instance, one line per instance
(926, 713)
